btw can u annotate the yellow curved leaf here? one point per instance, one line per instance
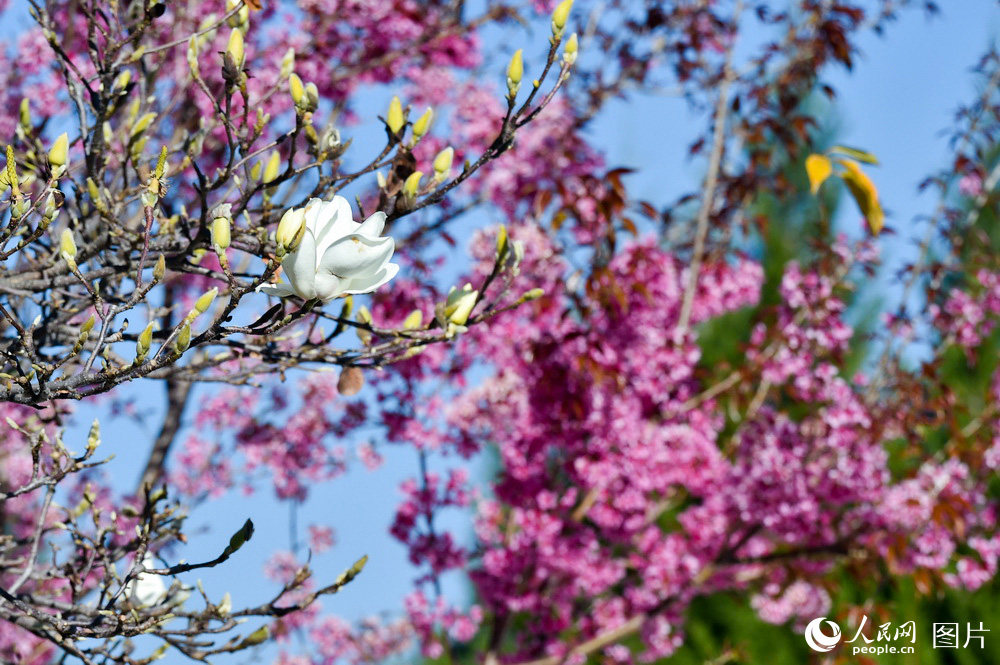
(818, 168)
(865, 194)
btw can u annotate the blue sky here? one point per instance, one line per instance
(897, 103)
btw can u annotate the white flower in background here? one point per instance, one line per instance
(336, 256)
(147, 590)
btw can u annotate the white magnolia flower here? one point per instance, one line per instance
(337, 256)
(147, 590)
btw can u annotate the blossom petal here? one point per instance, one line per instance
(280, 290)
(372, 227)
(334, 221)
(328, 286)
(300, 266)
(357, 256)
(369, 283)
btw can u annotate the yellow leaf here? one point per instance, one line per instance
(863, 190)
(818, 168)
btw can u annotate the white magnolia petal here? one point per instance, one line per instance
(300, 267)
(281, 290)
(313, 208)
(372, 227)
(328, 286)
(356, 256)
(334, 222)
(369, 283)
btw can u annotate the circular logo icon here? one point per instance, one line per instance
(817, 639)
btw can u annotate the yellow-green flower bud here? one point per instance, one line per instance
(394, 117)
(502, 247)
(88, 325)
(295, 88)
(560, 16)
(159, 269)
(144, 342)
(414, 320)
(143, 123)
(459, 305)
(533, 294)
(422, 124)
(183, 340)
(412, 184)
(67, 247)
(235, 47)
(273, 167)
(24, 115)
(442, 164)
(287, 63)
(221, 233)
(291, 228)
(515, 72)
(60, 151)
(205, 301)
(94, 436)
(192, 55)
(570, 52)
(122, 81)
(312, 96)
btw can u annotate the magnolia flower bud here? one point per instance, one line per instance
(412, 184)
(183, 340)
(560, 16)
(143, 123)
(235, 48)
(291, 228)
(202, 304)
(24, 115)
(515, 72)
(570, 52)
(221, 233)
(295, 88)
(94, 436)
(287, 63)
(60, 151)
(122, 81)
(192, 55)
(414, 320)
(422, 124)
(67, 248)
(459, 305)
(144, 342)
(159, 269)
(442, 164)
(225, 606)
(311, 96)
(273, 168)
(394, 117)
(533, 294)
(502, 247)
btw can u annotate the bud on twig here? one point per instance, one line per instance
(59, 152)
(422, 124)
(290, 231)
(570, 51)
(559, 17)
(394, 117)
(67, 248)
(515, 72)
(442, 164)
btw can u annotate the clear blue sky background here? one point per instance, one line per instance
(897, 103)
